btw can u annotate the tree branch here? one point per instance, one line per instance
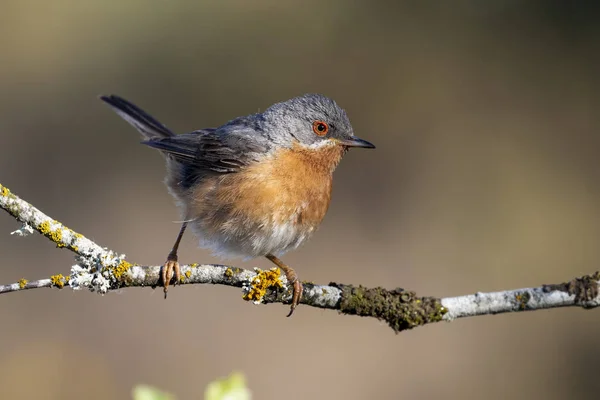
(101, 270)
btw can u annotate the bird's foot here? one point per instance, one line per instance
(170, 271)
(297, 293)
(292, 279)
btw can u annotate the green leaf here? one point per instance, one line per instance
(230, 388)
(144, 392)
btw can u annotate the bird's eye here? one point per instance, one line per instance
(320, 128)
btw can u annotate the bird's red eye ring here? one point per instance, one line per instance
(320, 128)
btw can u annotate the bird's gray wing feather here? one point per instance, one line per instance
(222, 150)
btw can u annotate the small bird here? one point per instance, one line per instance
(256, 186)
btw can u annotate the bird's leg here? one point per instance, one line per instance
(171, 267)
(292, 278)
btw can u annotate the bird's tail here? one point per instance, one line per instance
(149, 127)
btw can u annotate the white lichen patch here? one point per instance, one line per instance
(323, 296)
(97, 274)
(25, 230)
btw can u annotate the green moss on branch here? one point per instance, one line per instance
(401, 309)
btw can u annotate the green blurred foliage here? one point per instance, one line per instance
(145, 392)
(232, 387)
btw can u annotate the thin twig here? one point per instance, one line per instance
(101, 270)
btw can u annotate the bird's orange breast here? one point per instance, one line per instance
(290, 186)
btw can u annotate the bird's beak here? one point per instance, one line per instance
(356, 142)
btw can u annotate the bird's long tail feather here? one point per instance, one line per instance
(149, 127)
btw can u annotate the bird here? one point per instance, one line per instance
(257, 186)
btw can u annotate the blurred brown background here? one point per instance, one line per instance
(486, 177)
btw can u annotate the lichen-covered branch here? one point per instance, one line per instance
(102, 270)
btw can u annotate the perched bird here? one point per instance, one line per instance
(257, 186)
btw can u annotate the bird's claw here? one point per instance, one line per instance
(297, 293)
(170, 271)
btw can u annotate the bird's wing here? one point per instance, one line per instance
(223, 150)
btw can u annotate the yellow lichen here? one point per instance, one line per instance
(4, 191)
(522, 299)
(186, 275)
(229, 272)
(120, 269)
(54, 235)
(261, 282)
(44, 228)
(193, 265)
(22, 282)
(58, 281)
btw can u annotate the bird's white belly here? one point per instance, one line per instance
(252, 240)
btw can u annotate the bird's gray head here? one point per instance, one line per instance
(312, 120)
